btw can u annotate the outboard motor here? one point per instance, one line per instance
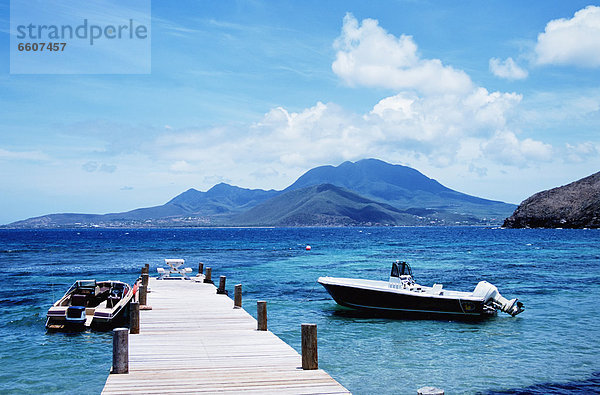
(492, 298)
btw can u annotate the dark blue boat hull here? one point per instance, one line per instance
(395, 302)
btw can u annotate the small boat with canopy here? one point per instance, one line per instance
(403, 295)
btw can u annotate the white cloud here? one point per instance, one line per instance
(428, 122)
(507, 69)
(319, 132)
(449, 129)
(368, 55)
(434, 128)
(181, 166)
(566, 112)
(582, 152)
(507, 149)
(107, 168)
(437, 108)
(23, 155)
(90, 167)
(574, 41)
(93, 166)
(439, 117)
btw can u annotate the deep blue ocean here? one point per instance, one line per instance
(552, 347)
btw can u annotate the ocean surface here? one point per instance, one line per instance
(552, 347)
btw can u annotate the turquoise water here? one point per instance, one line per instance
(550, 348)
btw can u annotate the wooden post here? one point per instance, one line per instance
(237, 297)
(207, 278)
(200, 268)
(143, 295)
(430, 391)
(261, 315)
(310, 358)
(134, 318)
(145, 279)
(221, 290)
(120, 362)
(145, 269)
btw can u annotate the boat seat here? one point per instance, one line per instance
(112, 301)
(103, 290)
(436, 289)
(78, 300)
(103, 294)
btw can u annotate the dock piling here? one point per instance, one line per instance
(120, 362)
(208, 277)
(261, 315)
(200, 268)
(221, 290)
(237, 297)
(145, 277)
(134, 318)
(143, 295)
(310, 358)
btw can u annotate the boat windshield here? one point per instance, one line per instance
(86, 287)
(400, 268)
(86, 283)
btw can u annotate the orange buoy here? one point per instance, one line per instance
(308, 248)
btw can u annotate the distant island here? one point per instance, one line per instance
(576, 205)
(369, 192)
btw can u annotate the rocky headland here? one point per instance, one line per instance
(576, 205)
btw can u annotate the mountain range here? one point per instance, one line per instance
(366, 192)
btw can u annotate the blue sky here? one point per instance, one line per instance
(499, 99)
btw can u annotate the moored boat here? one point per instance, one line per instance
(402, 294)
(91, 304)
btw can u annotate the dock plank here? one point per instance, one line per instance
(194, 341)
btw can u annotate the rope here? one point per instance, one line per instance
(310, 293)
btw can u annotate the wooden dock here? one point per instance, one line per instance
(194, 341)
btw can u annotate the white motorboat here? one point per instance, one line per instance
(91, 304)
(402, 294)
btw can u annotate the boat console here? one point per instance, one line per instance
(401, 277)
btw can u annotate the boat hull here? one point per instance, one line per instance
(108, 321)
(392, 301)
